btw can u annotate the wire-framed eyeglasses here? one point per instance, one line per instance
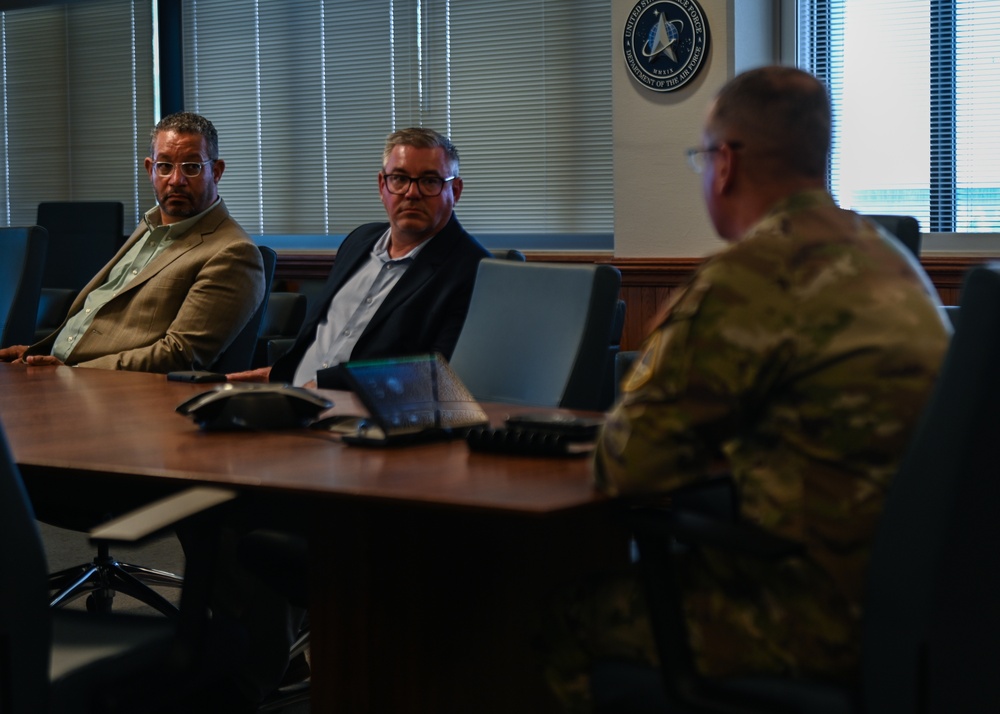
(698, 158)
(190, 169)
(427, 185)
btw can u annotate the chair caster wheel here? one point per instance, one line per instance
(99, 602)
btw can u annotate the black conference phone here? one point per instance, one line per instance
(254, 406)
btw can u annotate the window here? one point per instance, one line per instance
(303, 93)
(914, 86)
(63, 67)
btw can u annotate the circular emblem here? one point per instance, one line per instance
(665, 43)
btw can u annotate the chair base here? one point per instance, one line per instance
(105, 576)
(284, 697)
(294, 692)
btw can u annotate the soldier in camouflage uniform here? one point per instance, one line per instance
(800, 357)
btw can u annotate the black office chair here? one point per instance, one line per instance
(83, 237)
(609, 389)
(284, 316)
(22, 261)
(280, 560)
(239, 355)
(905, 228)
(931, 623)
(623, 363)
(62, 661)
(952, 312)
(105, 575)
(510, 254)
(538, 333)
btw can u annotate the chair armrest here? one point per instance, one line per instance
(707, 513)
(150, 520)
(277, 347)
(691, 528)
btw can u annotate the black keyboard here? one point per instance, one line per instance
(526, 442)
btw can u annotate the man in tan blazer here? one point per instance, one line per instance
(183, 285)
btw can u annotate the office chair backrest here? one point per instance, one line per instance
(283, 317)
(623, 363)
(609, 392)
(25, 626)
(932, 605)
(83, 237)
(905, 228)
(22, 260)
(239, 355)
(510, 254)
(538, 333)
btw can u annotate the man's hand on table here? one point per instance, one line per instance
(261, 374)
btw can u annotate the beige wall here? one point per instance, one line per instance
(658, 204)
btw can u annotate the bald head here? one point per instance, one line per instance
(781, 115)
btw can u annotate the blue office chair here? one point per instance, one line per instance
(931, 623)
(538, 333)
(22, 260)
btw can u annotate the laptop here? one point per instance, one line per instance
(414, 398)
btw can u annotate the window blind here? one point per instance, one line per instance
(304, 92)
(977, 114)
(915, 89)
(77, 94)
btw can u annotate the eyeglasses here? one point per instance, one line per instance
(428, 185)
(697, 157)
(190, 169)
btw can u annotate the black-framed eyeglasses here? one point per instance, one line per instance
(427, 185)
(190, 169)
(697, 158)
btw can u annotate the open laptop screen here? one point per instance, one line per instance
(409, 395)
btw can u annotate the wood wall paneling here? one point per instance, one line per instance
(646, 282)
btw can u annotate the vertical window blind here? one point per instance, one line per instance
(77, 95)
(304, 92)
(914, 86)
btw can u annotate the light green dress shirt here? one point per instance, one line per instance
(157, 239)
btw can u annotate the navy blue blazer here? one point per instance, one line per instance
(424, 312)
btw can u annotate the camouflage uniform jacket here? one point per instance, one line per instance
(802, 356)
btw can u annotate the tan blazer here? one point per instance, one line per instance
(182, 310)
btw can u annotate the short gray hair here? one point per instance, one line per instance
(422, 138)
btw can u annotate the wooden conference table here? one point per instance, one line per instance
(430, 565)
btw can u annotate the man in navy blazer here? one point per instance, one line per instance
(424, 312)
(396, 288)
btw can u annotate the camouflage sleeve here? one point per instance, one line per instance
(694, 380)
